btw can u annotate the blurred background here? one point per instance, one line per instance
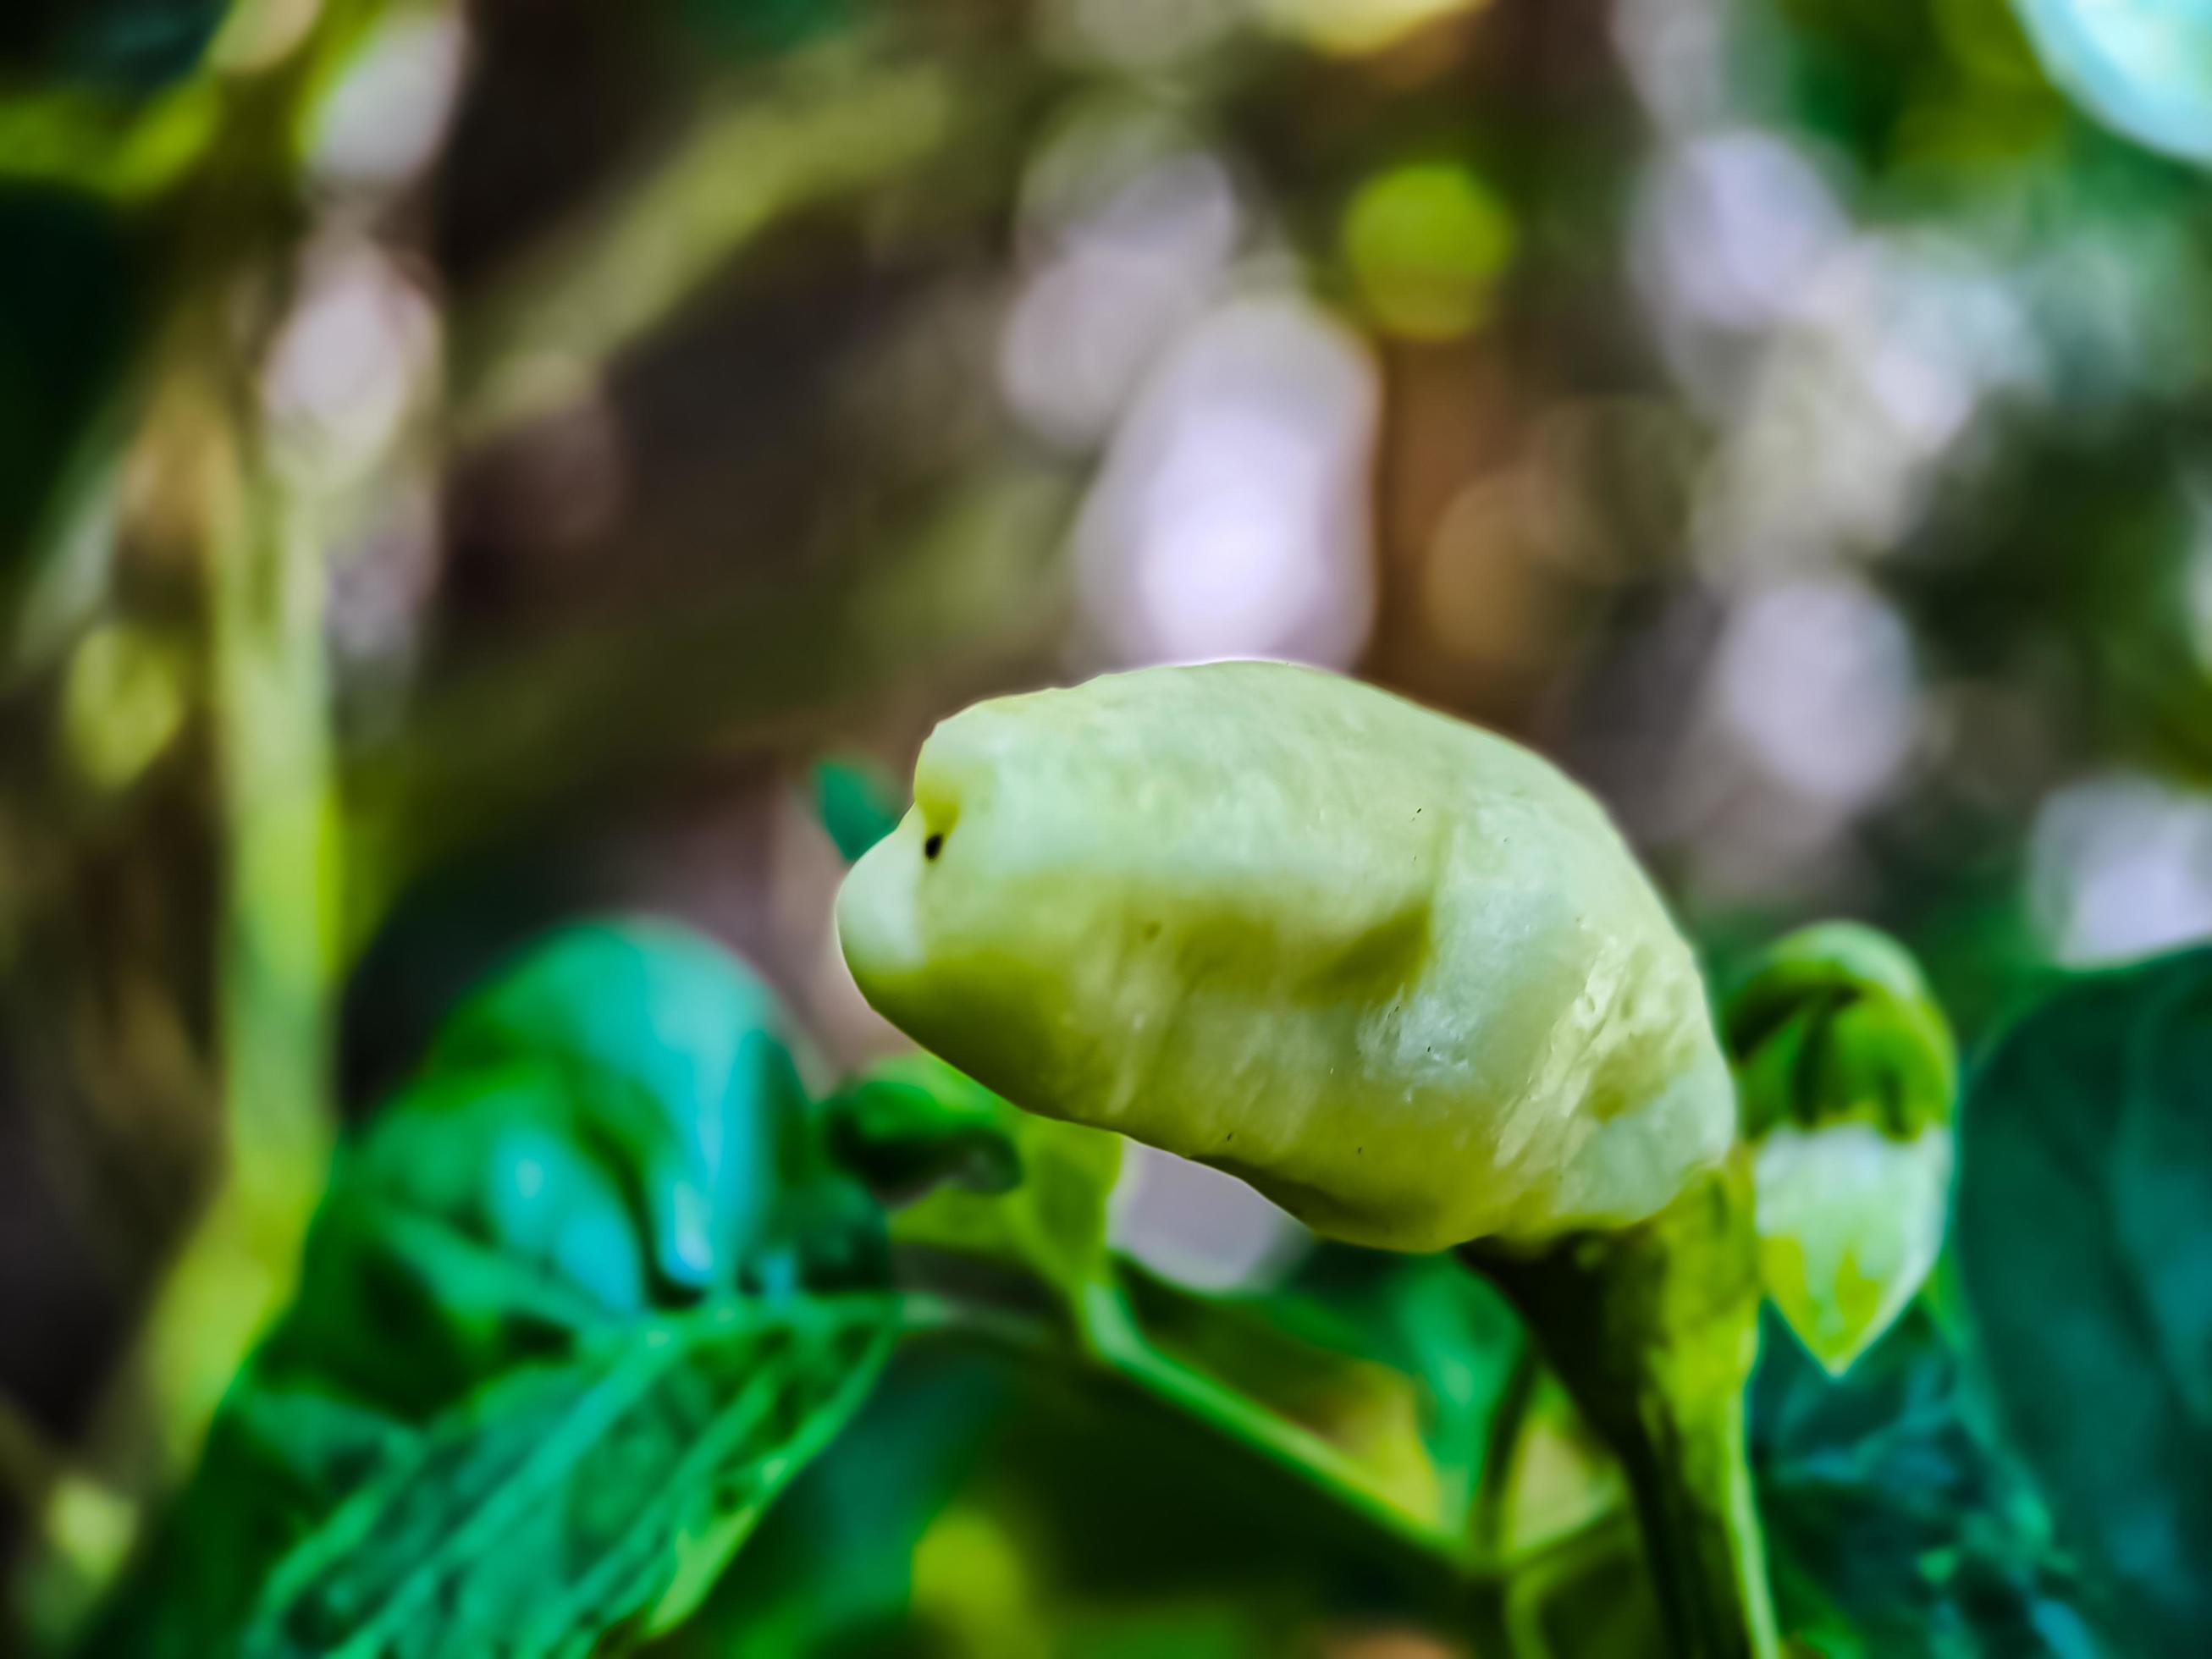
(463, 466)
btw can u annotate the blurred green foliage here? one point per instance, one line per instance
(592, 1271)
(601, 1495)
(1894, 1522)
(518, 1360)
(70, 266)
(133, 45)
(678, 1065)
(1052, 1225)
(914, 1123)
(2086, 1168)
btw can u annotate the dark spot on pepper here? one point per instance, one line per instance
(932, 847)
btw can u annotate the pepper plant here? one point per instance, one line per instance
(623, 1325)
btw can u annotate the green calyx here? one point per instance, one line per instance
(1835, 1022)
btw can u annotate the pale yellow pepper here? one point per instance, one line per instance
(1397, 972)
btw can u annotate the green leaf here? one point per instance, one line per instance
(2163, 1174)
(279, 1456)
(1893, 1524)
(832, 1567)
(2085, 1178)
(1848, 1079)
(857, 804)
(1322, 1382)
(1590, 1603)
(1369, 1413)
(913, 1123)
(131, 46)
(614, 1125)
(612, 1132)
(405, 1312)
(1052, 1226)
(680, 1066)
(1834, 1023)
(504, 1157)
(1296, 1379)
(1447, 1330)
(568, 1502)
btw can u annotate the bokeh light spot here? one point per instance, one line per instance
(1231, 517)
(123, 702)
(1426, 243)
(1352, 27)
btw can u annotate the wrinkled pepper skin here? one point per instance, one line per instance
(1397, 972)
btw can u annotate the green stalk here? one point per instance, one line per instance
(1493, 1499)
(257, 525)
(1109, 1347)
(274, 955)
(1654, 1332)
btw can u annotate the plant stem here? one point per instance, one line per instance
(1108, 1345)
(1654, 1331)
(258, 538)
(1493, 1491)
(1473, 1594)
(1114, 1341)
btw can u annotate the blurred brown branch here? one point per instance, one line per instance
(773, 143)
(749, 664)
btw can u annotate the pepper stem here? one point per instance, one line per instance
(1654, 1331)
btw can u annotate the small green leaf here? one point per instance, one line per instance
(568, 1503)
(1850, 1222)
(1052, 1226)
(2085, 1175)
(1297, 1378)
(1835, 1022)
(913, 1123)
(1391, 1367)
(1848, 1079)
(858, 802)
